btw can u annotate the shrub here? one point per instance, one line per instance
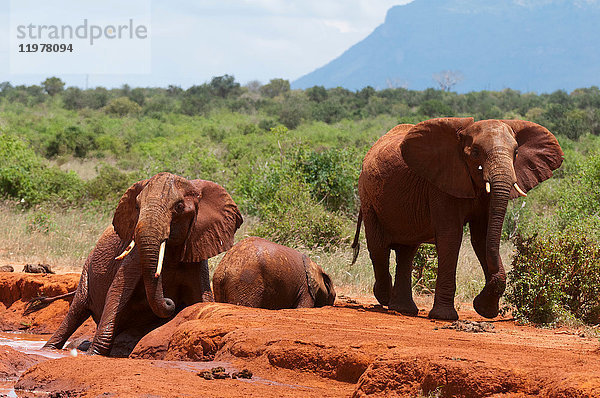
(425, 265)
(122, 106)
(294, 218)
(554, 275)
(331, 175)
(24, 176)
(109, 184)
(72, 140)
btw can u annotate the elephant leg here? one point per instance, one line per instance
(448, 246)
(402, 300)
(117, 297)
(382, 289)
(206, 293)
(380, 257)
(78, 313)
(487, 303)
(190, 284)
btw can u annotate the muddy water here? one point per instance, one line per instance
(27, 344)
(32, 344)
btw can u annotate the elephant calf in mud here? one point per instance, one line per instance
(262, 274)
(152, 261)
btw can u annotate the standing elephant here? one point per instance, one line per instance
(262, 274)
(422, 183)
(165, 229)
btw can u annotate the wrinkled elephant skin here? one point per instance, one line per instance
(262, 274)
(152, 261)
(422, 183)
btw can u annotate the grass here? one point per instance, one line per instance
(61, 238)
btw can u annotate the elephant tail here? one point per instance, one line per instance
(356, 243)
(40, 302)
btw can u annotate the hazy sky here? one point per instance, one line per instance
(193, 40)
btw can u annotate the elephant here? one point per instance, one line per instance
(165, 228)
(423, 183)
(262, 274)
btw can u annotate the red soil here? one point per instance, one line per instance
(349, 349)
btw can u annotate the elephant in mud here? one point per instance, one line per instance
(422, 183)
(262, 274)
(152, 261)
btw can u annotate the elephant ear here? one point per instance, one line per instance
(319, 283)
(312, 277)
(539, 154)
(215, 224)
(126, 214)
(433, 150)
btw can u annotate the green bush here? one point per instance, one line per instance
(293, 218)
(24, 176)
(109, 185)
(122, 106)
(332, 176)
(553, 276)
(425, 265)
(72, 140)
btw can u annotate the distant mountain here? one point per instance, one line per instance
(527, 45)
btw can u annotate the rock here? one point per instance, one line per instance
(243, 374)
(38, 269)
(7, 268)
(470, 326)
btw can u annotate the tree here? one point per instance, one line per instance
(447, 79)
(53, 85)
(316, 93)
(223, 86)
(254, 86)
(275, 87)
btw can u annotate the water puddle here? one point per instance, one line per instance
(27, 344)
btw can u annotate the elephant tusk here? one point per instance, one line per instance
(480, 167)
(161, 257)
(519, 190)
(128, 250)
(487, 187)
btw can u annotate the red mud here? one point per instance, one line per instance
(17, 288)
(349, 349)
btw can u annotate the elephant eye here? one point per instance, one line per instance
(179, 207)
(475, 152)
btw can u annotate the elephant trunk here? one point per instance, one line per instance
(501, 178)
(150, 237)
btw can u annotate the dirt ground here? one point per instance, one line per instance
(352, 349)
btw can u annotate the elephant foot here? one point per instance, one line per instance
(407, 307)
(445, 313)
(383, 292)
(487, 302)
(485, 306)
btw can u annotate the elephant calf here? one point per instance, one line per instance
(262, 274)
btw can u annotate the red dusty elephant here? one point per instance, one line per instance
(422, 183)
(262, 274)
(152, 261)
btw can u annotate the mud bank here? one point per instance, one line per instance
(350, 349)
(17, 288)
